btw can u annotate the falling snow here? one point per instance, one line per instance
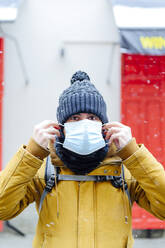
(156, 86)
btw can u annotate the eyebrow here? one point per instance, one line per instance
(76, 114)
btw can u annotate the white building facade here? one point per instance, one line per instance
(56, 38)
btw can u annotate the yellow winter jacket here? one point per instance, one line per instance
(84, 214)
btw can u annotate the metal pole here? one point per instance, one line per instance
(113, 45)
(14, 228)
(19, 53)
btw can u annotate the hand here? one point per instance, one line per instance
(45, 131)
(118, 133)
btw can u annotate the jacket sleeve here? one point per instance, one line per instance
(17, 184)
(148, 186)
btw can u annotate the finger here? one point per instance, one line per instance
(114, 136)
(52, 138)
(48, 123)
(113, 124)
(51, 144)
(52, 130)
(48, 137)
(119, 141)
(111, 131)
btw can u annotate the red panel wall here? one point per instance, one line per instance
(143, 109)
(1, 100)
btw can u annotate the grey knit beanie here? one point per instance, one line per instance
(81, 97)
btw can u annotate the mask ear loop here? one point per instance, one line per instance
(58, 142)
(106, 142)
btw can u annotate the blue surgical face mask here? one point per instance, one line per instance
(83, 137)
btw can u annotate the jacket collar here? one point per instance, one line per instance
(109, 166)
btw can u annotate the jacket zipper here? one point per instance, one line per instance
(117, 162)
(94, 208)
(78, 198)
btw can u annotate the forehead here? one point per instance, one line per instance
(84, 114)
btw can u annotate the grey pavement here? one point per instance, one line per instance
(8, 239)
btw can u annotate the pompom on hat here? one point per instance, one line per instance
(81, 97)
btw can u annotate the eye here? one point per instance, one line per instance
(74, 118)
(93, 118)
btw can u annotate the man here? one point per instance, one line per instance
(93, 207)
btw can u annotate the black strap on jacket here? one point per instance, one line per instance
(52, 174)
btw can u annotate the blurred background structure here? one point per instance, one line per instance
(42, 43)
(142, 41)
